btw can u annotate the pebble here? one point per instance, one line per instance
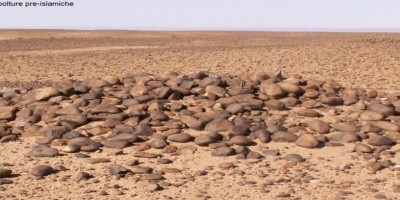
(307, 141)
(152, 187)
(117, 169)
(282, 136)
(5, 173)
(374, 166)
(42, 170)
(318, 125)
(204, 140)
(141, 154)
(363, 148)
(4, 181)
(181, 138)
(83, 176)
(164, 161)
(154, 177)
(44, 152)
(223, 151)
(116, 144)
(380, 140)
(97, 160)
(241, 140)
(294, 158)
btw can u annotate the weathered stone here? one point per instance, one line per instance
(182, 138)
(117, 169)
(387, 126)
(363, 148)
(318, 126)
(371, 116)
(105, 108)
(308, 113)
(343, 137)
(116, 144)
(5, 173)
(282, 136)
(263, 135)
(294, 158)
(345, 127)
(45, 93)
(241, 140)
(307, 141)
(332, 101)
(43, 152)
(380, 140)
(42, 170)
(223, 151)
(141, 154)
(204, 140)
(218, 125)
(383, 109)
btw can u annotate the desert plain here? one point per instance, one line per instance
(199, 115)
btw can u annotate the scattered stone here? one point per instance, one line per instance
(43, 152)
(307, 141)
(5, 173)
(181, 138)
(282, 136)
(204, 140)
(164, 161)
(116, 144)
(141, 154)
(241, 141)
(363, 148)
(42, 170)
(83, 176)
(223, 151)
(318, 126)
(374, 166)
(154, 177)
(294, 158)
(117, 169)
(380, 140)
(152, 187)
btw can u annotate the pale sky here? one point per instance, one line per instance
(207, 14)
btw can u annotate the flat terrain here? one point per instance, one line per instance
(355, 60)
(333, 168)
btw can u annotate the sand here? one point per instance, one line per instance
(36, 58)
(354, 59)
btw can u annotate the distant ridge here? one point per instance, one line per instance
(275, 29)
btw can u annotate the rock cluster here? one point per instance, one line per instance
(227, 113)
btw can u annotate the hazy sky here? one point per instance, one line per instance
(211, 14)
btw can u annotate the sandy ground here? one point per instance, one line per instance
(355, 60)
(34, 58)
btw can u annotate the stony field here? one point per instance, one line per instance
(199, 115)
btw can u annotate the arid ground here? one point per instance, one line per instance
(36, 58)
(354, 59)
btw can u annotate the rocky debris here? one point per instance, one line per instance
(159, 120)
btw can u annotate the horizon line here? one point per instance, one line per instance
(250, 29)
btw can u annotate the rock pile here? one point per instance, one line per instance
(226, 112)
